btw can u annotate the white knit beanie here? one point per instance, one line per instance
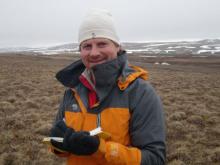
(98, 23)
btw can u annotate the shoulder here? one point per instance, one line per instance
(141, 86)
(141, 92)
(68, 95)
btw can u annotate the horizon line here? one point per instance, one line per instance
(123, 41)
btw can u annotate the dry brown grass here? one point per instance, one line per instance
(29, 99)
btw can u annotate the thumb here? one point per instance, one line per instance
(56, 143)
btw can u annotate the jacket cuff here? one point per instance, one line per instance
(101, 150)
(119, 154)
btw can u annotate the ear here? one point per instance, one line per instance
(118, 48)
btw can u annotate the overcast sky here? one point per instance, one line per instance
(48, 22)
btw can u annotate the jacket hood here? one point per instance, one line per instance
(69, 76)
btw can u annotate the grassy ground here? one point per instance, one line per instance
(30, 95)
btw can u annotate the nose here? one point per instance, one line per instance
(94, 51)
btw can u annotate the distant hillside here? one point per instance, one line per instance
(201, 47)
(207, 47)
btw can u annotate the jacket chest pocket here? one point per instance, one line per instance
(116, 122)
(80, 121)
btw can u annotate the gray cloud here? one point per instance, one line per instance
(43, 22)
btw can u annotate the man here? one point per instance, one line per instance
(103, 90)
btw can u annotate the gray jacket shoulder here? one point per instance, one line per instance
(67, 98)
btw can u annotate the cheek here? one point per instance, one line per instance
(112, 54)
(84, 58)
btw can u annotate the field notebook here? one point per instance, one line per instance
(98, 131)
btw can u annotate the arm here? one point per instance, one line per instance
(60, 132)
(60, 113)
(147, 128)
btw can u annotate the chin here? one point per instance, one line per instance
(98, 63)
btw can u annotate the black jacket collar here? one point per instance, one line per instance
(104, 73)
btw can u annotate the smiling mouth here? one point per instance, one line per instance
(97, 61)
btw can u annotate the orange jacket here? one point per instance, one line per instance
(128, 109)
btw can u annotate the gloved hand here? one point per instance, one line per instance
(79, 143)
(59, 129)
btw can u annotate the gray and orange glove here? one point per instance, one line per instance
(75, 142)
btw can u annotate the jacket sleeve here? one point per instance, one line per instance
(147, 125)
(60, 116)
(147, 131)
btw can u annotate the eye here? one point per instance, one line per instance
(102, 44)
(86, 46)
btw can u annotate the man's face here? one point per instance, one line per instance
(97, 51)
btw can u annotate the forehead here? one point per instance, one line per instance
(96, 40)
